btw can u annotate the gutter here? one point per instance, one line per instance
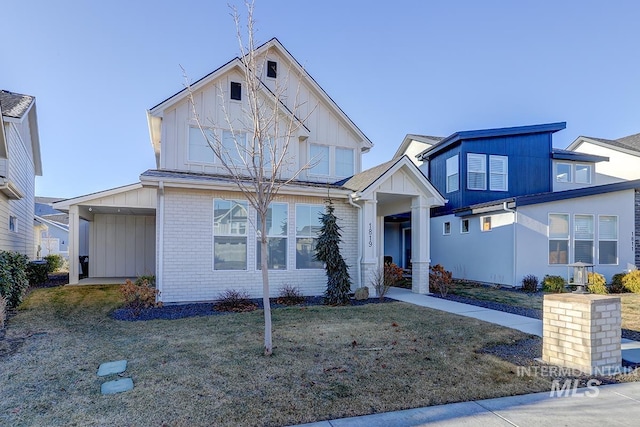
(352, 196)
(515, 240)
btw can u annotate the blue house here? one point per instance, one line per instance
(517, 206)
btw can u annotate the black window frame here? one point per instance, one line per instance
(236, 91)
(272, 69)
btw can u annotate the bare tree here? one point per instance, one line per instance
(261, 164)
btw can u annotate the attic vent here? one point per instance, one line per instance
(236, 91)
(272, 69)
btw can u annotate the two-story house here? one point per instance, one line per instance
(205, 229)
(623, 154)
(517, 206)
(20, 163)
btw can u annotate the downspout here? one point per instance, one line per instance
(160, 239)
(359, 263)
(515, 241)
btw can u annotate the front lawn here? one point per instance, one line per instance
(328, 362)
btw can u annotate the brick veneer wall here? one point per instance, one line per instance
(582, 331)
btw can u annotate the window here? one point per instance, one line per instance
(558, 238)
(607, 239)
(453, 181)
(486, 223)
(236, 91)
(498, 173)
(344, 162)
(234, 146)
(13, 223)
(563, 172)
(446, 228)
(272, 69)
(319, 159)
(476, 171)
(583, 238)
(307, 228)
(199, 148)
(269, 147)
(464, 226)
(277, 231)
(583, 174)
(229, 235)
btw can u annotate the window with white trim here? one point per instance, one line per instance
(498, 173)
(269, 148)
(199, 148)
(583, 238)
(563, 172)
(486, 223)
(476, 171)
(464, 226)
(229, 234)
(558, 238)
(308, 226)
(277, 231)
(446, 228)
(319, 159)
(234, 147)
(344, 162)
(453, 176)
(607, 239)
(13, 223)
(583, 174)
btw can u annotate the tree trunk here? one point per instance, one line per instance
(268, 345)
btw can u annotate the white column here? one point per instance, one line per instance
(370, 253)
(74, 245)
(420, 255)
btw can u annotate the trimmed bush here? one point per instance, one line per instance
(554, 284)
(289, 295)
(616, 286)
(597, 284)
(37, 272)
(631, 281)
(13, 277)
(236, 301)
(139, 294)
(530, 283)
(54, 262)
(440, 280)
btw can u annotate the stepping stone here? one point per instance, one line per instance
(109, 368)
(117, 386)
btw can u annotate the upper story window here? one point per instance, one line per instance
(563, 172)
(498, 173)
(199, 149)
(272, 69)
(453, 177)
(344, 162)
(319, 159)
(13, 223)
(583, 174)
(234, 147)
(236, 91)
(476, 171)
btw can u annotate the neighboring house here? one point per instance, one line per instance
(623, 154)
(54, 236)
(517, 206)
(412, 145)
(20, 163)
(204, 236)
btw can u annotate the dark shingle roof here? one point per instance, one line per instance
(631, 142)
(362, 180)
(14, 104)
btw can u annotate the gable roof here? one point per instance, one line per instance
(14, 105)
(427, 140)
(627, 144)
(275, 44)
(489, 133)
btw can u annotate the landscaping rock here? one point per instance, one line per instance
(117, 386)
(362, 293)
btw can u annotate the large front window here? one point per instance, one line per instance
(277, 231)
(558, 238)
(583, 238)
(229, 234)
(307, 228)
(608, 239)
(234, 147)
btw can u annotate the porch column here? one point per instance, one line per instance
(74, 244)
(420, 256)
(369, 243)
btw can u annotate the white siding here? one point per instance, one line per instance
(621, 166)
(188, 250)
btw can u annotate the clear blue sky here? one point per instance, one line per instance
(426, 67)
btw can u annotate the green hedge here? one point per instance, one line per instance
(13, 277)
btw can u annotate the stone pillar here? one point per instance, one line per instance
(420, 257)
(370, 254)
(582, 331)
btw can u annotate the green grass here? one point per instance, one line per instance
(328, 362)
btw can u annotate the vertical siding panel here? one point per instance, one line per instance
(130, 248)
(120, 222)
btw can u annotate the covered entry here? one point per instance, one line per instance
(121, 233)
(396, 189)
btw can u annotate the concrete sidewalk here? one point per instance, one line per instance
(610, 405)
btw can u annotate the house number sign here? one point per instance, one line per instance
(370, 235)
